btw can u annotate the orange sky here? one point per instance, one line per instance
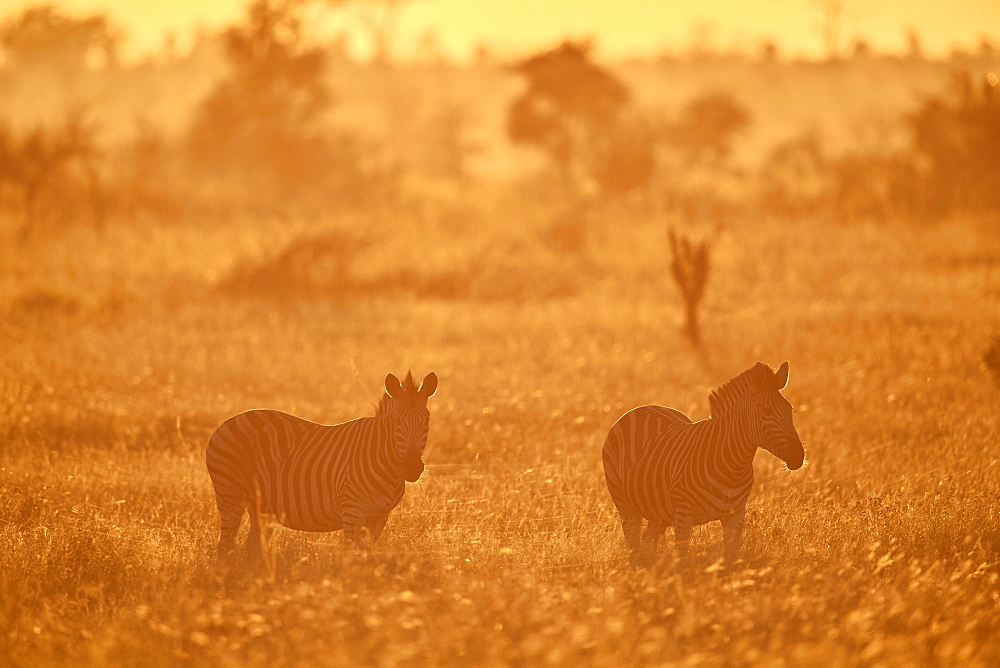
(620, 26)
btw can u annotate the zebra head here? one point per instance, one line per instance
(771, 416)
(411, 419)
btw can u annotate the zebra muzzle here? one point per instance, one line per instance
(796, 458)
(412, 468)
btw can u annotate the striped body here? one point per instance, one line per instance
(662, 467)
(306, 474)
(665, 466)
(315, 477)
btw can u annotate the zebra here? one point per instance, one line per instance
(313, 477)
(661, 466)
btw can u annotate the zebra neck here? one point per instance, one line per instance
(384, 433)
(732, 444)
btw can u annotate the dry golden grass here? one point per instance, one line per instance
(119, 355)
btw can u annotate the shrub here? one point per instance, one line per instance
(573, 110)
(992, 359)
(314, 266)
(261, 124)
(624, 160)
(42, 37)
(49, 178)
(707, 128)
(956, 145)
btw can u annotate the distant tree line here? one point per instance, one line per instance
(950, 165)
(263, 138)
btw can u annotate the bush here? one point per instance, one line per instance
(624, 160)
(573, 110)
(260, 126)
(314, 266)
(43, 38)
(49, 178)
(992, 359)
(707, 128)
(956, 145)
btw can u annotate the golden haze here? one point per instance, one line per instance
(636, 27)
(263, 223)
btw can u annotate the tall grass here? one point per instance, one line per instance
(119, 354)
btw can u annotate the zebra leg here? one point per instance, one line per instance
(732, 531)
(631, 527)
(683, 523)
(682, 539)
(258, 536)
(631, 520)
(654, 532)
(356, 529)
(253, 534)
(231, 511)
(373, 525)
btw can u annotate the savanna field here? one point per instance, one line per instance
(121, 355)
(263, 223)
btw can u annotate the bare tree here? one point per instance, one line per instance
(689, 267)
(43, 37)
(571, 110)
(379, 19)
(54, 165)
(263, 121)
(831, 23)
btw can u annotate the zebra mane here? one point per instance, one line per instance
(721, 398)
(384, 405)
(409, 387)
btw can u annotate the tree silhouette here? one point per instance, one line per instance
(624, 159)
(956, 141)
(831, 20)
(54, 166)
(379, 19)
(689, 267)
(707, 128)
(570, 102)
(41, 37)
(262, 121)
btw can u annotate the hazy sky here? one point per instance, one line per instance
(619, 26)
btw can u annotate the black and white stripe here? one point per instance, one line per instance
(662, 467)
(315, 477)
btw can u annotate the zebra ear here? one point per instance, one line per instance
(392, 386)
(781, 375)
(429, 386)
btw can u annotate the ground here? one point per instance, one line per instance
(120, 353)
